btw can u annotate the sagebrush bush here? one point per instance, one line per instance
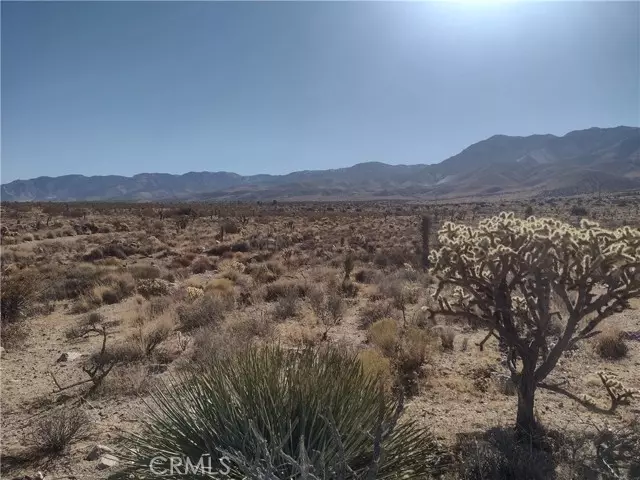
(278, 413)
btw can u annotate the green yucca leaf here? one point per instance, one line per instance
(282, 414)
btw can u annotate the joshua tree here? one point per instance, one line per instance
(507, 274)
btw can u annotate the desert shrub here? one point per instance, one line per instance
(105, 251)
(374, 311)
(376, 365)
(384, 335)
(201, 265)
(265, 272)
(500, 455)
(148, 337)
(206, 310)
(367, 275)
(19, 292)
(528, 211)
(55, 432)
(220, 285)
(328, 306)
(611, 345)
(348, 288)
(395, 257)
(246, 329)
(447, 336)
(147, 272)
(414, 351)
(119, 287)
(158, 305)
(125, 352)
(287, 306)
(579, 211)
(127, 380)
(242, 247)
(230, 226)
(279, 289)
(74, 281)
(274, 412)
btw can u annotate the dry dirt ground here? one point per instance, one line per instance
(148, 270)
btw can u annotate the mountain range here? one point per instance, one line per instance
(582, 161)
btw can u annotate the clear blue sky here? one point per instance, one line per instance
(125, 87)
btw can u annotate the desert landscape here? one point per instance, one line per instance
(104, 305)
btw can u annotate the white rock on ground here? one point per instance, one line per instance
(68, 357)
(107, 461)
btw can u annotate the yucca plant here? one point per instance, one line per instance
(282, 414)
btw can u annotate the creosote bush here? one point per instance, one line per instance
(280, 413)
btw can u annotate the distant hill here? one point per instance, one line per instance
(596, 159)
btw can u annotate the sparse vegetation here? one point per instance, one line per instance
(108, 316)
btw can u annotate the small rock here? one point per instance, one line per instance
(107, 461)
(97, 451)
(68, 357)
(2, 351)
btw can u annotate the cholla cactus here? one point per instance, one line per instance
(505, 271)
(194, 293)
(618, 393)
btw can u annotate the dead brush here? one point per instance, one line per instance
(55, 432)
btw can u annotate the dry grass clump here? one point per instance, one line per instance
(17, 296)
(376, 365)
(55, 432)
(206, 310)
(384, 335)
(408, 349)
(149, 336)
(610, 345)
(127, 380)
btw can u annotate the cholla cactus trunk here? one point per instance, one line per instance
(426, 231)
